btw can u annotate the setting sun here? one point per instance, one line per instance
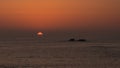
(39, 33)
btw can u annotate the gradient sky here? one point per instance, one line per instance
(53, 15)
(59, 14)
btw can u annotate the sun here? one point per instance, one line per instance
(40, 33)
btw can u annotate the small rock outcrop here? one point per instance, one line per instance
(72, 39)
(82, 40)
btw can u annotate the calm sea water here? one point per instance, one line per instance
(51, 53)
(43, 42)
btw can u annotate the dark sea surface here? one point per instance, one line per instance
(51, 53)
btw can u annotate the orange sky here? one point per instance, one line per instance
(59, 14)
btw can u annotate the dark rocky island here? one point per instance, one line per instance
(71, 39)
(82, 40)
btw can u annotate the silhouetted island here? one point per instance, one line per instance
(82, 40)
(72, 39)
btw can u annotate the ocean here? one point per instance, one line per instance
(44, 53)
